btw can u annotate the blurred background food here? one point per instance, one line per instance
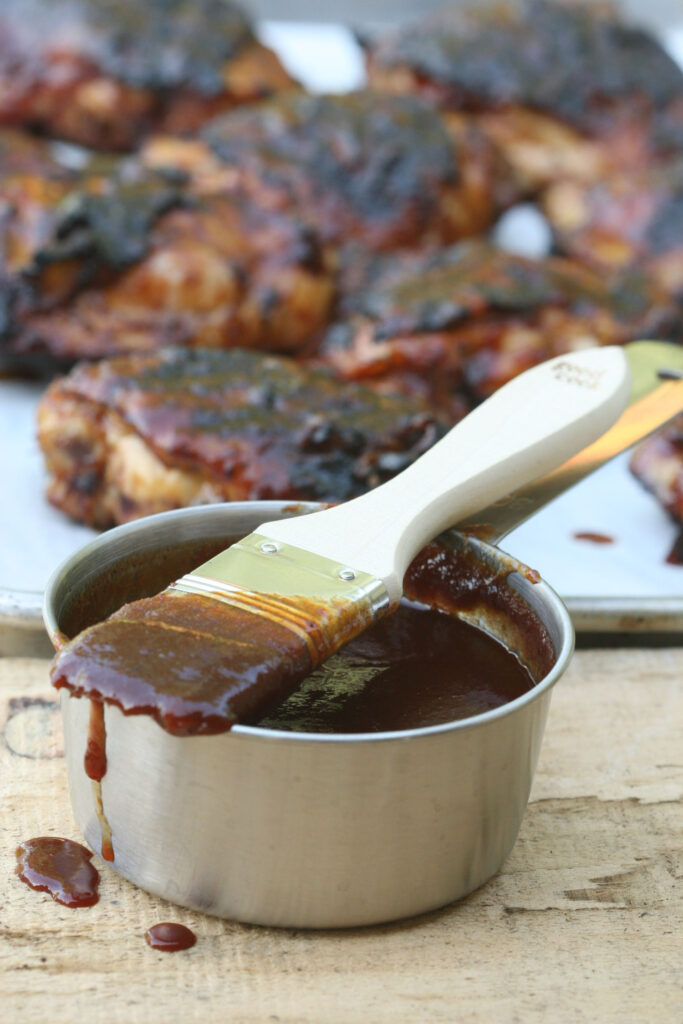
(104, 73)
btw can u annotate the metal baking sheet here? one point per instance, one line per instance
(622, 586)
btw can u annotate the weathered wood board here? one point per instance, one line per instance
(583, 923)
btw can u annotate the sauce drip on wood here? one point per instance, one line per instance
(170, 937)
(60, 867)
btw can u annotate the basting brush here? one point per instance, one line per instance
(656, 397)
(235, 637)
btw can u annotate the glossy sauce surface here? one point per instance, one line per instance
(198, 665)
(61, 867)
(418, 667)
(170, 937)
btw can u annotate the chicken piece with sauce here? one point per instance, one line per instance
(455, 325)
(105, 73)
(365, 168)
(131, 260)
(658, 464)
(566, 89)
(139, 434)
(628, 220)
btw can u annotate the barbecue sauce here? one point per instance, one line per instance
(170, 937)
(198, 665)
(60, 867)
(594, 538)
(422, 666)
(170, 657)
(95, 764)
(95, 761)
(418, 667)
(675, 556)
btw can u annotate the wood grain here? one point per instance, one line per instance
(583, 923)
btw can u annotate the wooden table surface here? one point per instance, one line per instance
(582, 924)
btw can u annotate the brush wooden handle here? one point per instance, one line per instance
(530, 426)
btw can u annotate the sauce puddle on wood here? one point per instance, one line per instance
(170, 937)
(60, 867)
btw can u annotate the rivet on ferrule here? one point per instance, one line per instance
(269, 547)
(347, 574)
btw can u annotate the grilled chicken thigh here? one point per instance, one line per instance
(32, 184)
(103, 73)
(628, 220)
(134, 261)
(458, 324)
(658, 464)
(565, 88)
(134, 435)
(375, 169)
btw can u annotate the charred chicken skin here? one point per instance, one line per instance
(565, 88)
(658, 464)
(375, 169)
(134, 262)
(457, 325)
(629, 220)
(103, 73)
(134, 435)
(32, 184)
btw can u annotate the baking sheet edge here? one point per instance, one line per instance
(22, 633)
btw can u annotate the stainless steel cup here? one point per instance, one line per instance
(296, 829)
